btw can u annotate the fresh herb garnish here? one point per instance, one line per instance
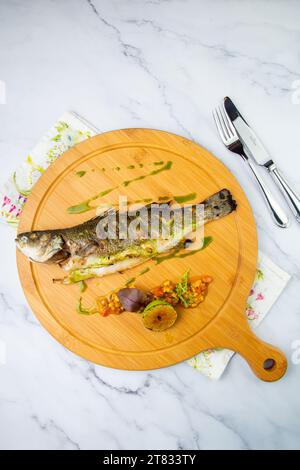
(182, 288)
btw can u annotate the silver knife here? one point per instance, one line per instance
(261, 156)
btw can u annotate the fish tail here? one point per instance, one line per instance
(219, 205)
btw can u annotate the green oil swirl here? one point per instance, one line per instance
(185, 198)
(85, 206)
(175, 253)
(166, 167)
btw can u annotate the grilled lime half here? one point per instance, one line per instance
(159, 315)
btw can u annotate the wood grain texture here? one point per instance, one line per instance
(121, 341)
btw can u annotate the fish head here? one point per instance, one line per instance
(41, 246)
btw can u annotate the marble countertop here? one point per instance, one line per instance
(162, 64)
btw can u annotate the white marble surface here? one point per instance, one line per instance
(161, 64)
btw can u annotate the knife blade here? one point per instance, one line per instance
(254, 147)
(248, 136)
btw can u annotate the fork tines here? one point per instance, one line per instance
(224, 125)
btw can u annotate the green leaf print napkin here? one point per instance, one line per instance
(68, 131)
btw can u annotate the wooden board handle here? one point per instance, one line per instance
(267, 362)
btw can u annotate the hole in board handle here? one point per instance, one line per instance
(269, 364)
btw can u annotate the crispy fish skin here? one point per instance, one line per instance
(83, 254)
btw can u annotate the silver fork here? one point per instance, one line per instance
(231, 140)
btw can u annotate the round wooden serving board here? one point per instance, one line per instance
(121, 341)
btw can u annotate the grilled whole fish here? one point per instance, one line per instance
(84, 254)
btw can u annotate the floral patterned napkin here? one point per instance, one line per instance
(68, 131)
(269, 283)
